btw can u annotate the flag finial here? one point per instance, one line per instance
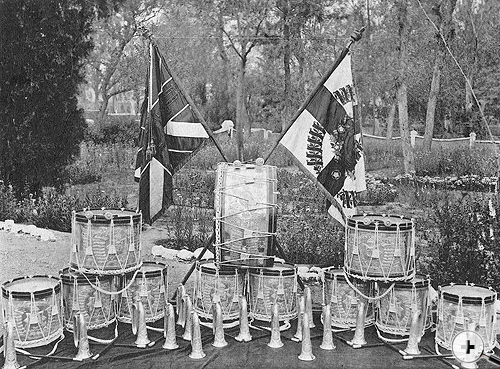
(357, 34)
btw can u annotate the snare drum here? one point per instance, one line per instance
(35, 305)
(245, 214)
(106, 241)
(227, 282)
(380, 247)
(344, 299)
(396, 308)
(150, 283)
(82, 293)
(266, 285)
(459, 307)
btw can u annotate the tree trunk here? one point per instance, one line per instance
(240, 108)
(431, 103)
(286, 66)
(402, 94)
(103, 106)
(390, 122)
(445, 22)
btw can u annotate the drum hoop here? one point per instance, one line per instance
(289, 270)
(396, 277)
(409, 285)
(469, 300)
(99, 218)
(356, 221)
(27, 295)
(68, 278)
(112, 272)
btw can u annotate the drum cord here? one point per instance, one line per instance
(345, 327)
(111, 292)
(224, 325)
(286, 325)
(99, 340)
(390, 340)
(370, 299)
(54, 349)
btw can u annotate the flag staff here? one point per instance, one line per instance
(356, 36)
(147, 33)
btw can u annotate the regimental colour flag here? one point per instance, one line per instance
(170, 134)
(325, 140)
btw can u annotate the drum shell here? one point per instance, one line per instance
(227, 282)
(396, 308)
(38, 294)
(266, 283)
(106, 241)
(245, 214)
(471, 302)
(151, 284)
(80, 294)
(343, 298)
(392, 236)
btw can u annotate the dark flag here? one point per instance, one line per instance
(325, 140)
(170, 134)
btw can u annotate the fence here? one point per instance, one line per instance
(443, 143)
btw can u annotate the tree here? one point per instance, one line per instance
(402, 94)
(42, 50)
(118, 53)
(244, 25)
(445, 22)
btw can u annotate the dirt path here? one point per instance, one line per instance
(23, 255)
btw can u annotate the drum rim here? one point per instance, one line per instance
(66, 276)
(99, 218)
(27, 295)
(269, 271)
(225, 270)
(357, 220)
(470, 300)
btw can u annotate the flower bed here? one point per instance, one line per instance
(473, 183)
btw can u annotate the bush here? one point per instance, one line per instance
(115, 130)
(462, 248)
(313, 239)
(53, 210)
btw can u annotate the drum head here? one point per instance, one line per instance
(473, 295)
(40, 286)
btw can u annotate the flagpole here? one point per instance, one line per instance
(147, 33)
(356, 36)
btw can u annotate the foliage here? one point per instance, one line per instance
(119, 53)
(464, 250)
(42, 51)
(114, 131)
(52, 209)
(310, 238)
